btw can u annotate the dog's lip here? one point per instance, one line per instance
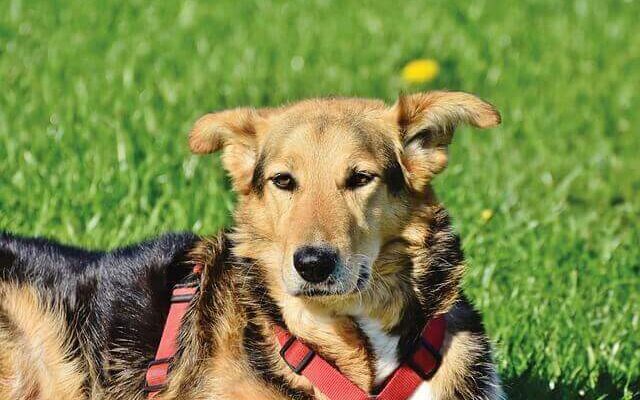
(317, 292)
(314, 291)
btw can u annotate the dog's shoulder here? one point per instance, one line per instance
(111, 304)
(163, 256)
(52, 265)
(22, 254)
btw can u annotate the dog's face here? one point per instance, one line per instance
(324, 185)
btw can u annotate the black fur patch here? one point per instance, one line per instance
(443, 263)
(392, 174)
(394, 178)
(257, 179)
(439, 277)
(6, 259)
(115, 302)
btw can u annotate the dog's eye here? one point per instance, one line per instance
(284, 181)
(359, 179)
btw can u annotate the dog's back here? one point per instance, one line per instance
(74, 321)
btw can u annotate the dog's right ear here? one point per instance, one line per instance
(236, 133)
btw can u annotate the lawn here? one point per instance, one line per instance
(96, 100)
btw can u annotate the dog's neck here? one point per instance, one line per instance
(367, 336)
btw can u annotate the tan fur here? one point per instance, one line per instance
(320, 142)
(458, 350)
(34, 361)
(437, 113)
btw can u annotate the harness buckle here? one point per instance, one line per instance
(303, 363)
(184, 297)
(435, 354)
(153, 388)
(186, 285)
(157, 387)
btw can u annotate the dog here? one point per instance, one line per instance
(339, 239)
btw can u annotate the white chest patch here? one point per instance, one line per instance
(384, 346)
(423, 392)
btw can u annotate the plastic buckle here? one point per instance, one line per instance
(437, 358)
(186, 285)
(187, 297)
(156, 388)
(303, 363)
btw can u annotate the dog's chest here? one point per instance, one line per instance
(385, 349)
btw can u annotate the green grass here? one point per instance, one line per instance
(96, 100)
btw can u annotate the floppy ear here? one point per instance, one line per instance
(427, 121)
(236, 133)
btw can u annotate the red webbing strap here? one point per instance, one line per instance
(324, 376)
(158, 369)
(400, 386)
(424, 363)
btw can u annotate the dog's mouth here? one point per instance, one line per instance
(334, 286)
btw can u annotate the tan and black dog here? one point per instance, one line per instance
(338, 237)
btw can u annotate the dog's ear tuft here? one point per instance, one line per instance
(236, 133)
(426, 124)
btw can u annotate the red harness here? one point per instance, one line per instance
(404, 381)
(158, 369)
(400, 386)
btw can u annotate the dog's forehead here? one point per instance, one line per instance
(340, 126)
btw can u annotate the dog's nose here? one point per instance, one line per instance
(315, 263)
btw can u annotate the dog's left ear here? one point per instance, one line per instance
(426, 123)
(235, 132)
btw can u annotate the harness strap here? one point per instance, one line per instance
(304, 361)
(404, 381)
(158, 369)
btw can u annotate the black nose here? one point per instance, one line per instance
(315, 263)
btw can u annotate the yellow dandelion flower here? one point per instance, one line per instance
(486, 214)
(420, 71)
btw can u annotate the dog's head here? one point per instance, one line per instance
(325, 184)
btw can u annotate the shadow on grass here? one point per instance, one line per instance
(531, 386)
